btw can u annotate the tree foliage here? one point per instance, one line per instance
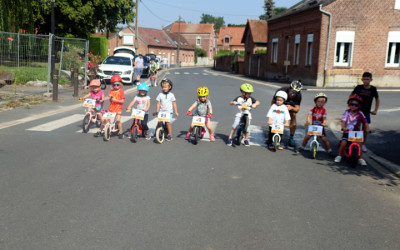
(217, 21)
(76, 17)
(270, 10)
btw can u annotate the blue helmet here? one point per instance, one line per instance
(143, 86)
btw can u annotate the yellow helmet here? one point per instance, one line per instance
(202, 91)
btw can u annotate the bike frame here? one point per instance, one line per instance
(137, 123)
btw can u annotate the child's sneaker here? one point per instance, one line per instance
(187, 137)
(292, 143)
(98, 134)
(338, 159)
(300, 149)
(148, 137)
(280, 147)
(169, 138)
(271, 147)
(212, 138)
(229, 142)
(121, 135)
(362, 162)
(330, 152)
(246, 143)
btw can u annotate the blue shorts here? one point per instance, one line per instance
(368, 118)
(139, 71)
(98, 108)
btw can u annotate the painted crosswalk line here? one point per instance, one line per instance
(196, 73)
(186, 73)
(177, 73)
(50, 126)
(205, 74)
(94, 129)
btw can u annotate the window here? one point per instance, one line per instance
(344, 48)
(274, 54)
(226, 40)
(310, 39)
(198, 41)
(128, 40)
(296, 50)
(397, 5)
(393, 51)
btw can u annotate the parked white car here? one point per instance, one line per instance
(117, 65)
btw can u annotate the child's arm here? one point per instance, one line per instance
(376, 106)
(323, 122)
(103, 98)
(286, 123)
(85, 96)
(148, 106)
(175, 108)
(366, 127)
(255, 104)
(232, 103)
(131, 104)
(308, 120)
(158, 107)
(192, 107)
(210, 110)
(269, 121)
(344, 125)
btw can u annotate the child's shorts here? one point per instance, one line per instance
(345, 136)
(236, 122)
(98, 108)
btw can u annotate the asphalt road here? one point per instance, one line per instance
(62, 189)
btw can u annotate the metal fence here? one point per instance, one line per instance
(28, 56)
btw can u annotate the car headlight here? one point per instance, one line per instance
(99, 71)
(127, 72)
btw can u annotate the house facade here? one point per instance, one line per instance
(330, 43)
(230, 38)
(255, 39)
(198, 35)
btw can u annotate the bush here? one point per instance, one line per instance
(199, 53)
(261, 51)
(98, 46)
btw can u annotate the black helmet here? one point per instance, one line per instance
(168, 81)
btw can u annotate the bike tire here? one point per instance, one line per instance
(103, 84)
(86, 123)
(239, 136)
(246, 124)
(160, 136)
(134, 134)
(314, 150)
(276, 142)
(354, 155)
(107, 132)
(196, 135)
(98, 123)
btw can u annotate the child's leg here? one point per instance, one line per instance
(326, 142)
(233, 130)
(343, 144)
(248, 133)
(119, 123)
(208, 126)
(169, 128)
(190, 129)
(270, 134)
(144, 124)
(305, 140)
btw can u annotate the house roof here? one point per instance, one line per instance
(194, 28)
(302, 6)
(236, 33)
(258, 29)
(154, 37)
(183, 42)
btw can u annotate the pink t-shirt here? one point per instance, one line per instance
(97, 96)
(353, 121)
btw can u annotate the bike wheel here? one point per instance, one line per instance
(246, 124)
(314, 150)
(86, 123)
(107, 132)
(103, 84)
(134, 134)
(160, 135)
(196, 135)
(239, 136)
(276, 142)
(98, 123)
(354, 155)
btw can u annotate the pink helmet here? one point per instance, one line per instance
(95, 83)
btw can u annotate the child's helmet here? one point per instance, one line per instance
(356, 98)
(246, 87)
(168, 81)
(319, 95)
(281, 94)
(202, 91)
(94, 83)
(296, 86)
(143, 86)
(116, 78)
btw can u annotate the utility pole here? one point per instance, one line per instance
(136, 27)
(179, 41)
(53, 53)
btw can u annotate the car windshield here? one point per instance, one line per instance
(124, 51)
(118, 60)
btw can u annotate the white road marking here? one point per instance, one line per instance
(177, 73)
(195, 73)
(94, 129)
(153, 124)
(50, 126)
(389, 110)
(186, 73)
(205, 74)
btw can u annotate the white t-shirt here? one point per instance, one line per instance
(166, 102)
(278, 114)
(240, 100)
(139, 62)
(141, 102)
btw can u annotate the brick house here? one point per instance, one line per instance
(186, 51)
(152, 41)
(199, 35)
(331, 42)
(255, 38)
(230, 38)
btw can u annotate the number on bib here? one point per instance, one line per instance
(164, 117)
(357, 136)
(277, 128)
(315, 130)
(109, 115)
(138, 114)
(89, 103)
(198, 121)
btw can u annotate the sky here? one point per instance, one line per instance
(156, 13)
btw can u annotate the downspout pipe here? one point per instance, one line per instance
(329, 37)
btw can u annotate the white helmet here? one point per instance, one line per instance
(282, 94)
(296, 85)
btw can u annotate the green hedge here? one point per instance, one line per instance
(98, 46)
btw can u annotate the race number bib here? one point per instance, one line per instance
(277, 128)
(109, 115)
(164, 117)
(90, 103)
(315, 130)
(198, 121)
(357, 136)
(138, 114)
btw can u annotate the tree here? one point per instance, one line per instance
(217, 21)
(76, 17)
(270, 10)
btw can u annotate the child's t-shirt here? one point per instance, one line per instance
(202, 108)
(317, 115)
(116, 107)
(141, 102)
(353, 121)
(278, 114)
(367, 96)
(97, 96)
(166, 102)
(240, 100)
